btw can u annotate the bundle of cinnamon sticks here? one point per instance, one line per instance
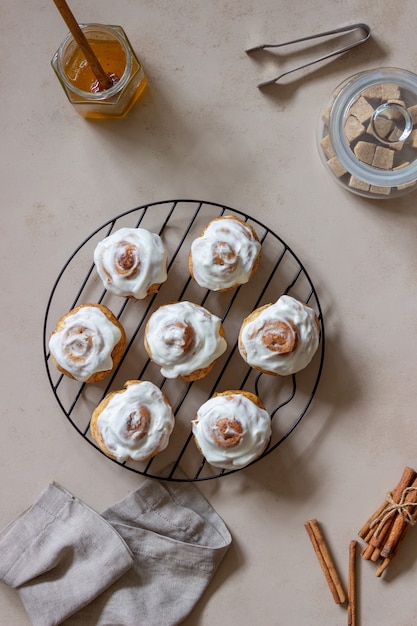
(383, 534)
(385, 530)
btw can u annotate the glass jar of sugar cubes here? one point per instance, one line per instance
(367, 133)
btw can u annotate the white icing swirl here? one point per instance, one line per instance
(130, 261)
(183, 337)
(82, 344)
(136, 422)
(224, 255)
(282, 339)
(231, 430)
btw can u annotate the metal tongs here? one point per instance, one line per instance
(363, 29)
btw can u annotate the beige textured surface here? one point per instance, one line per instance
(203, 130)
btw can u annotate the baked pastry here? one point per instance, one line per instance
(280, 338)
(225, 255)
(185, 340)
(232, 429)
(87, 343)
(131, 262)
(134, 423)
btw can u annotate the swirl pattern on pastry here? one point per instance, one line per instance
(232, 429)
(131, 262)
(87, 343)
(134, 423)
(225, 255)
(184, 339)
(281, 338)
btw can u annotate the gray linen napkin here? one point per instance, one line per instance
(60, 555)
(177, 541)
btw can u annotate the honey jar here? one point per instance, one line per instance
(119, 61)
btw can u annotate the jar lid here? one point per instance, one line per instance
(373, 128)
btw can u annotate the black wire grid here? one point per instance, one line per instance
(178, 222)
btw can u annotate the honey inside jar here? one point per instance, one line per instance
(118, 60)
(111, 57)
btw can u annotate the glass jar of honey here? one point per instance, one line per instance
(119, 61)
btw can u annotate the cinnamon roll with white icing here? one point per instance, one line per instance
(232, 429)
(185, 340)
(131, 262)
(225, 255)
(87, 343)
(134, 423)
(280, 338)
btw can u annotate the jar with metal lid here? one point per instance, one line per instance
(367, 133)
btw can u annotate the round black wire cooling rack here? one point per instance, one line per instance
(178, 222)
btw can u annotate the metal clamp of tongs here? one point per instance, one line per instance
(362, 29)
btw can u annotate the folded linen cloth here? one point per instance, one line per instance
(177, 541)
(60, 555)
(145, 561)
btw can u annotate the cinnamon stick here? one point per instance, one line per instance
(372, 551)
(104, 80)
(367, 552)
(352, 584)
(376, 555)
(381, 569)
(378, 539)
(366, 531)
(386, 561)
(326, 562)
(400, 522)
